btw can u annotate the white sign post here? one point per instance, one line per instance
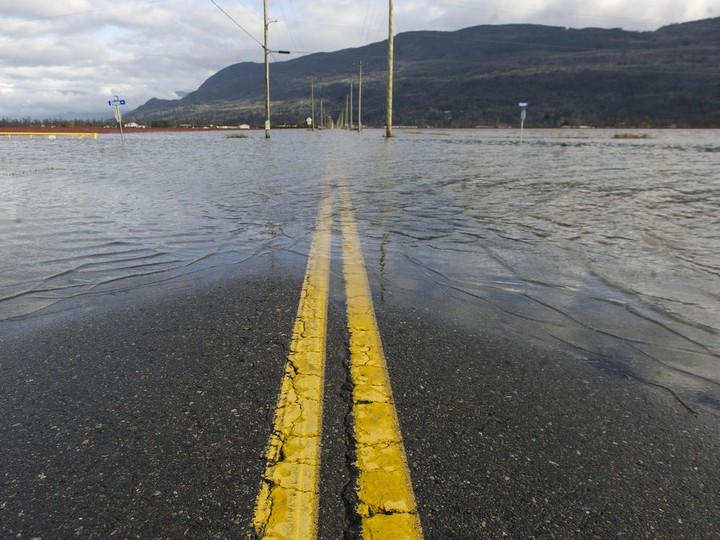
(523, 112)
(116, 102)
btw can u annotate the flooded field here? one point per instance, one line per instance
(607, 246)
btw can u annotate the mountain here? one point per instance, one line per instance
(477, 76)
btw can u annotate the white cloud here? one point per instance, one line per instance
(64, 57)
(33, 9)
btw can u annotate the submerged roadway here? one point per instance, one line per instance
(290, 402)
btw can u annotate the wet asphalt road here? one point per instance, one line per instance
(148, 419)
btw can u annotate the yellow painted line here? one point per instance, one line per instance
(386, 507)
(31, 134)
(287, 505)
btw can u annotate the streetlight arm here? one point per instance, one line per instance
(270, 51)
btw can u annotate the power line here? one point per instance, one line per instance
(294, 36)
(237, 24)
(253, 37)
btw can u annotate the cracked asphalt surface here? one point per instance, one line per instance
(149, 418)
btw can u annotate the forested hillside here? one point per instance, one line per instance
(476, 76)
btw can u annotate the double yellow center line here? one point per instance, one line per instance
(287, 504)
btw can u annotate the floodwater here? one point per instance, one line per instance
(608, 247)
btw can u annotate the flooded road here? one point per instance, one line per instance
(453, 331)
(609, 247)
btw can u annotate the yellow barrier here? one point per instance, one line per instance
(49, 134)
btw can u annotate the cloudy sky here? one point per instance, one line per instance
(65, 58)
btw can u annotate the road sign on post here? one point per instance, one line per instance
(523, 112)
(116, 102)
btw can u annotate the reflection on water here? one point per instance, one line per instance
(79, 217)
(611, 246)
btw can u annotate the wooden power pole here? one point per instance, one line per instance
(312, 102)
(360, 100)
(267, 72)
(388, 117)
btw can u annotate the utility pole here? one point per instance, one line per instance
(312, 101)
(345, 116)
(267, 72)
(267, 68)
(360, 100)
(322, 115)
(351, 105)
(388, 117)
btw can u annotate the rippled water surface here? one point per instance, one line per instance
(608, 246)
